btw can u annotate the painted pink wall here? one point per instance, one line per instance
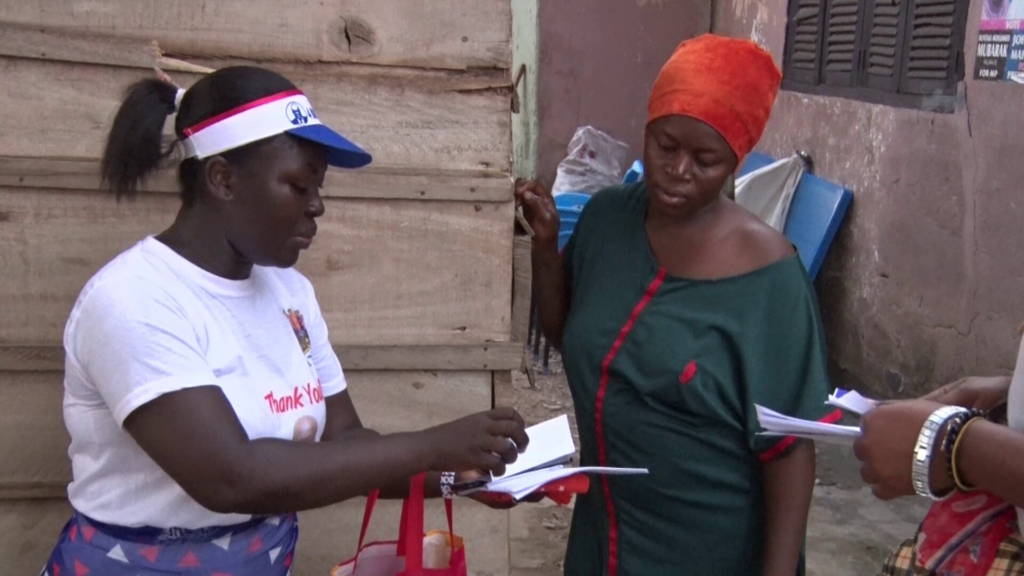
(598, 60)
(925, 282)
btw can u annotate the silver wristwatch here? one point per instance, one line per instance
(925, 447)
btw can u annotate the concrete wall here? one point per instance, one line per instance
(597, 63)
(926, 281)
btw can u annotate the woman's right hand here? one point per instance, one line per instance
(485, 441)
(540, 211)
(981, 392)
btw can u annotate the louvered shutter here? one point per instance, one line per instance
(840, 43)
(933, 48)
(803, 41)
(883, 58)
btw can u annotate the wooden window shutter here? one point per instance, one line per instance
(883, 59)
(840, 44)
(933, 47)
(803, 41)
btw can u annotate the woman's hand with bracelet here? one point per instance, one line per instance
(886, 449)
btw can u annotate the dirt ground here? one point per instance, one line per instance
(850, 532)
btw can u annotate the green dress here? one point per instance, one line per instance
(664, 374)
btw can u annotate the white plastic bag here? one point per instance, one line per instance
(594, 162)
(768, 191)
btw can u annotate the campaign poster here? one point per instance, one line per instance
(1000, 55)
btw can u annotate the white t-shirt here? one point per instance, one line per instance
(1015, 406)
(151, 322)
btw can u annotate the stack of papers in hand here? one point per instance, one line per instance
(544, 461)
(777, 424)
(527, 483)
(781, 425)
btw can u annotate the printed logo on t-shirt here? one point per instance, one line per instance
(304, 396)
(295, 319)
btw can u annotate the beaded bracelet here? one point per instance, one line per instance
(447, 480)
(957, 480)
(955, 428)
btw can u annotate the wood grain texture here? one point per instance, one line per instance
(34, 460)
(463, 34)
(34, 453)
(413, 120)
(501, 385)
(47, 43)
(397, 272)
(493, 356)
(28, 532)
(370, 182)
(522, 287)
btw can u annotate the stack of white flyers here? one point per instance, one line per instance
(544, 461)
(777, 424)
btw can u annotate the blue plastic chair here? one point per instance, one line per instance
(634, 174)
(570, 206)
(815, 214)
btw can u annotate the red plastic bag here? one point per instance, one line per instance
(434, 553)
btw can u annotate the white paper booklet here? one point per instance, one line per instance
(544, 461)
(550, 444)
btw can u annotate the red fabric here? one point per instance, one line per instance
(727, 83)
(688, 373)
(961, 535)
(613, 528)
(562, 491)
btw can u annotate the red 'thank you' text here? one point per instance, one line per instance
(301, 397)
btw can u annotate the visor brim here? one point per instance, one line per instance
(341, 152)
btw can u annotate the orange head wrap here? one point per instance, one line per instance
(727, 83)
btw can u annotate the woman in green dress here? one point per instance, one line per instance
(676, 312)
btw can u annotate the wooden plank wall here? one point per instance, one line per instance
(413, 262)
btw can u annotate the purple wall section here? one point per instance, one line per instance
(598, 61)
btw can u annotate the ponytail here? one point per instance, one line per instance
(134, 148)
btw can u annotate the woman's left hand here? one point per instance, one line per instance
(886, 448)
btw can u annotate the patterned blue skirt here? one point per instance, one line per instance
(263, 546)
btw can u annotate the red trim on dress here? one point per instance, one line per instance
(777, 450)
(613, 531)
(688, 373)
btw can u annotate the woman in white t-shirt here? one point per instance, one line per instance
(204, 402)
(963, 446)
